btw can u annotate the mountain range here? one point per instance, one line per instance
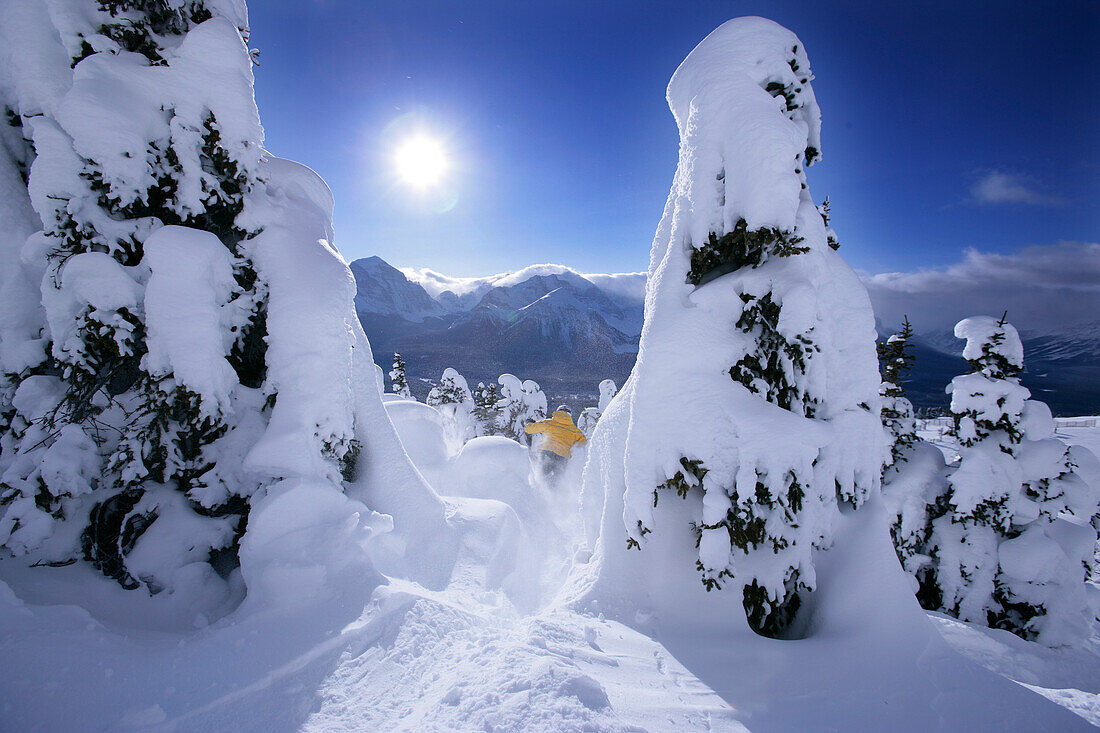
(568, 331)
(547, 323)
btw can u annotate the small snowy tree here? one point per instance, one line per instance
(487, 411)
(451, 397)
(608, 390)
(591, 415)
(521, 402)
(399, 381)
(586, 423)
(897, 411)
(913, 471)
(1012, 536)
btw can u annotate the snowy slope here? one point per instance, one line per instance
(464, 659)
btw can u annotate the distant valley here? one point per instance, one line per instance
(568, 331)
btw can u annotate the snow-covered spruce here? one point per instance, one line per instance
(521, 402)
(913, 472)
(911, 486)
(399, 380)
(591, 415)
(452, 398)
(755, 393)
(179, 342)
(1013, 536)
(487, 410)
(148, 390)
(898, 418)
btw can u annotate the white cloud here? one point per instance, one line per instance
(999, 187)
(1041, 287)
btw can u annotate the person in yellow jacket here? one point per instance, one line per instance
(559, 436)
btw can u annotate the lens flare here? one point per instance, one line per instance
(421, 161)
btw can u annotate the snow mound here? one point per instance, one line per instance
(492, 467)
(421, 431)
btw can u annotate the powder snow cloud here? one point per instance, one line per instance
(1042, 287)
(1000, 187)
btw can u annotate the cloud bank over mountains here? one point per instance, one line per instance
(1042, 287)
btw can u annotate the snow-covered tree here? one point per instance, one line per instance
(521, 402)
(591, 415)
(608, 390)
(452, 398)
(586, 423)
(487, 411)
(898, 419)
(399, 381)
(183, 352)
(755, 393)
(913, 472)
(1012, 537)
(149, 400)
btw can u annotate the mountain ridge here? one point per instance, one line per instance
(568, 331)
(547, 322)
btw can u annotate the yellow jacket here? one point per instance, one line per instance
(560, 432)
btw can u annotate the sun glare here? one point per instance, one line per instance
(421, 161)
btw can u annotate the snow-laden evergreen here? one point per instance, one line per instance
(913, 472)
(521, 402)
(141, 119)
(399, 380)
(180, 351)
(1013, 536)
(591, 415)
(487, 409)
(452, 398)
(898, 417)
(911, 485)
(755, 395)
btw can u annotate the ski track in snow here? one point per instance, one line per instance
(459, 659)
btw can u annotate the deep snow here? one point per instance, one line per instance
(494, 650)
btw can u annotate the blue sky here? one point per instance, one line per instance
(946, 126)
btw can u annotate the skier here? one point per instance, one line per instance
(559, 437)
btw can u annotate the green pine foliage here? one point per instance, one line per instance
(399, 381)
(827, 217)
(895, 362)
(740, 248)
(487, 412)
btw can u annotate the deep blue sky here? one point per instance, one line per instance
(564, 146)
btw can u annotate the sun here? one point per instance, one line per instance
(421, 161)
